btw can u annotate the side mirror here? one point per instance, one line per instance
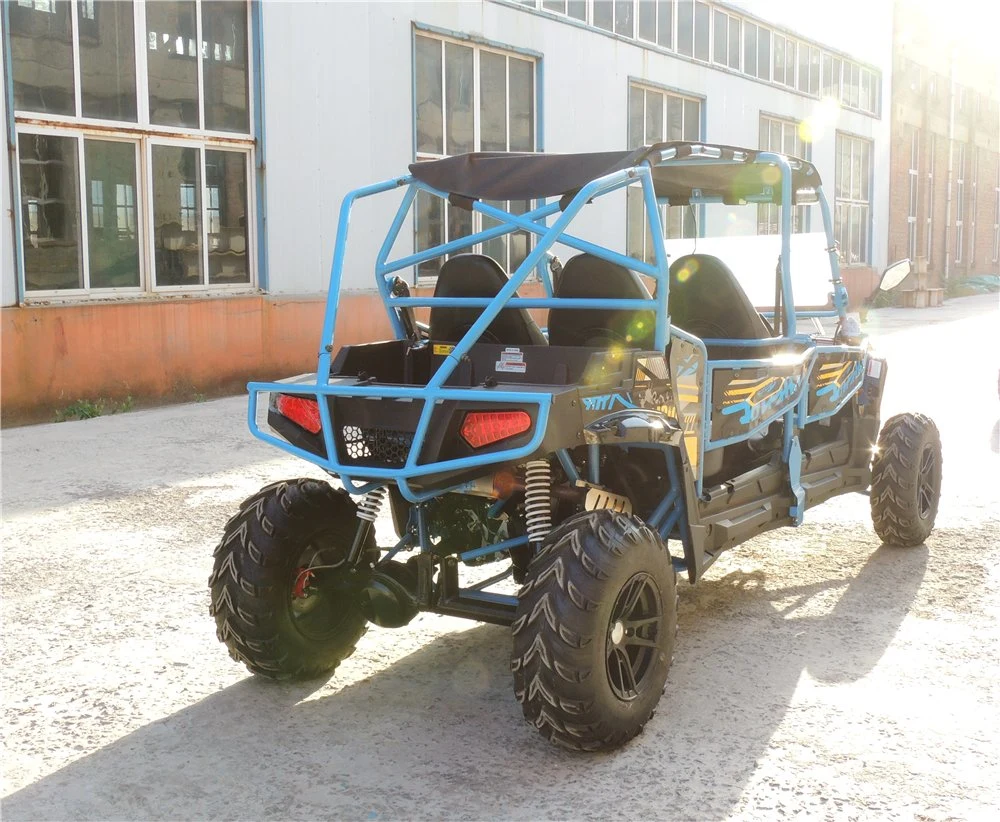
(894, 275)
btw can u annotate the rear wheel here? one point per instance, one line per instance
(282, 596)
(906, 480)
(594, 632)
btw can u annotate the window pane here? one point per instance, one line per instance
(554, 5)
(857, 172)
(428, 229)
(624, 25)
(41, 45)
(734, 43)
(493, 101)
(853, 86)
(789, 142)
(866, 90)
(427, 57)
(685, 27)
(107, 61)
(665, 23)
(497, 247)
(779, 59)
(458, 98)
(224, 65)
(520, 241)
(692, 120)
(459, 224)
(635, 116)
(177, 215)
(50, 212)
(750, 49)
(173, 63)
(577, 9)
(775, 138)
(865, 169)
(647, 20)
(763, 53)
(226, 213)
(522, 105)
(764, 134)
(112, 226)
(675, 118)
(654, 117)
(803, 82)
(720, 50)
(604, 14)
(702, 22)
(813, 71)
(856, 238)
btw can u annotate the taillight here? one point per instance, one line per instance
(481, 428)
(303, 412)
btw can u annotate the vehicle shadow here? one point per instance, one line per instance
(439, 735)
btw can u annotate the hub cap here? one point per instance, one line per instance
(927, 482)
(315, 602)
(632, 639)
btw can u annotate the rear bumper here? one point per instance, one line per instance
(413, 476)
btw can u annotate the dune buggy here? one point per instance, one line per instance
(639, 434)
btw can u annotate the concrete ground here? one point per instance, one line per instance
(817, 674)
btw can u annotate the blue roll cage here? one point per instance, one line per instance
(361, 480)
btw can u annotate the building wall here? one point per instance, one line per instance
(338, 114)
(325, 137)
(946, 88)
(8, 276)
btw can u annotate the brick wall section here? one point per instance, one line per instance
(985, 210)
(936, 264)
(899, 191)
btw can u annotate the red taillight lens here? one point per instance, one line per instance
(303, 412)
(482, 428)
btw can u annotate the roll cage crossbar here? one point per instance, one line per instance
(534, 222)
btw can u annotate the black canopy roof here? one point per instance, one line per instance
(521, 176)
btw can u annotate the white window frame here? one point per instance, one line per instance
(974, 203)
(809, 83)
(929, 205)
(846, 206)
(719, 13)
(914, 195)
(143, 135)
(800, 219)
(787, 67)
(960, 203)
(634, 191)
(204, 285)
(996, 218)
(420, 156)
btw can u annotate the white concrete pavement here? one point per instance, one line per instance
(816, 672)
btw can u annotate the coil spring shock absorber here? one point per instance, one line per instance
(368, 510)
(538, 500)
(371, 504)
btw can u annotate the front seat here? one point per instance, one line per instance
(587, 276)
(706, 300)
(476, 275)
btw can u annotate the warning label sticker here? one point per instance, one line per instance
(443, 350)
(511, 361)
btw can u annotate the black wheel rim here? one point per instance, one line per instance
(316, 603)
(632, 643)
(927, 482)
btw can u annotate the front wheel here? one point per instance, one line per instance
(593, 636)
(906, 480)
(282, 596)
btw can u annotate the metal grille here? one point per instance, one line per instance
(384, 446)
